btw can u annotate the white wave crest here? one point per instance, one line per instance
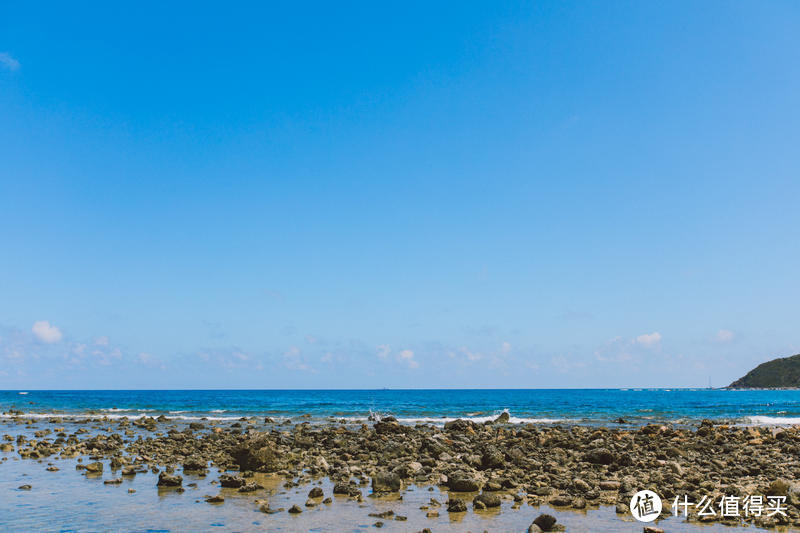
(481, 420)
(80, 416)
(477, 419)
(761, 420)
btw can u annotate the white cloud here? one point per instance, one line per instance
(46, 332)
(725, 335)
(293, 361)
(565, 365)
(407, 356)
(106, 357)
(505, 347)
(622, 350)
(101, 341)
(383, 351)
(470, 355)
(292, 352)
(649, 339)
(8, 62)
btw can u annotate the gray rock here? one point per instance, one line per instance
(779, 487)
(580, 485)
(609, 485)
(599, 456)
(231, 481)
(488, 500)
(169, 480)
(386, 482)
(492, 458)
(545, 522)
(461, 482)
(460, 426)
(456, 506)
(502, 419)
(250, 487)
(257, 453)
(94, 467)
(194, 464)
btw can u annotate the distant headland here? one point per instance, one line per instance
(781, 373)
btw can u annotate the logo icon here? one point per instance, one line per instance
(645, 506)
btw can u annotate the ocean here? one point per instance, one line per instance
(603, 407)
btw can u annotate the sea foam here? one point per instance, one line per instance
(761, 420)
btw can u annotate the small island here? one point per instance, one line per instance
(781, 373)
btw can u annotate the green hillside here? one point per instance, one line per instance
(778, 373)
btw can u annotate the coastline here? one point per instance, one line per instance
(578, 474)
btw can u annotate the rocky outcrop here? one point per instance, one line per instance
(257, 453)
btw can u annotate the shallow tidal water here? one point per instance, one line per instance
(70, 500)
(67, 500)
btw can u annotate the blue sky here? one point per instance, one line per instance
(553, 194)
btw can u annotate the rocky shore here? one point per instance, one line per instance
(478, 466)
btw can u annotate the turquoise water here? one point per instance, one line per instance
(582, 406)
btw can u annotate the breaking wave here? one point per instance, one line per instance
(476, 418)
(761, 420)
